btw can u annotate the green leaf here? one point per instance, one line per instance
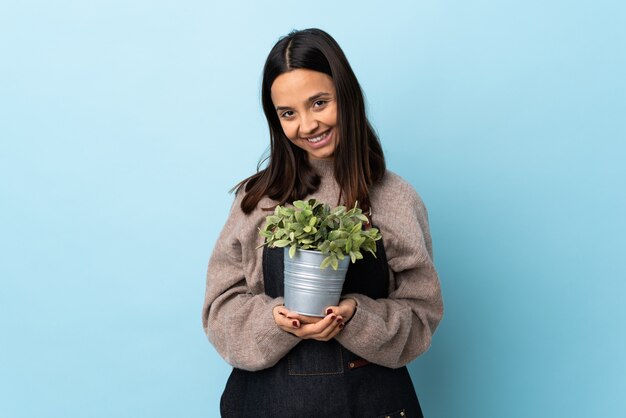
(333, 235)
(281, 243)
(357, 239)
(340, 243)
(286, 212)
(339, 210)
(363, 218)
(292, 250)
(326, 262)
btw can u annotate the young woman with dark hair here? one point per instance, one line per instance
(350, 363)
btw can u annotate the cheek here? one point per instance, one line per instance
(331, 117)
(288, 129)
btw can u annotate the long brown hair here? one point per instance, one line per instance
(358, 159)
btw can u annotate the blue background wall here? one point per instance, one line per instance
(124, 123)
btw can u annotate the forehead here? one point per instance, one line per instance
(297, 86)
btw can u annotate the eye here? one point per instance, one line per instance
(287, 114)
(319, 103)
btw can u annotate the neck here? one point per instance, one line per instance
(324, 167)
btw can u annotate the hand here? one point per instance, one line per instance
(346, 309)
(308, 327)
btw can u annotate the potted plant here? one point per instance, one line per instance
(314, 237)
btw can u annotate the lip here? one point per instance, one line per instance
(323, 142)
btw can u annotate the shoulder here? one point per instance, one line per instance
(243, 188)
(393, 193)
(392, 179)
(244, 224)
(237, 218)
(400, 214)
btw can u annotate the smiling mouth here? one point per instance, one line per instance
(321, 137)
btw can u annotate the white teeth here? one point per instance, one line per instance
(317, 138)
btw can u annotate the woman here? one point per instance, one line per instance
(351, 362)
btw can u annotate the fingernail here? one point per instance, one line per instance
(341, 325)
(340, 320)
(295, 324)
(333, 317)
(329, 311)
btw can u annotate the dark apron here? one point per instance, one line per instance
(323, 379)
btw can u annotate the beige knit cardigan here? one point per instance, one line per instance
(237, 314)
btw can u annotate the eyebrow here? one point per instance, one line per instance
(309, 100)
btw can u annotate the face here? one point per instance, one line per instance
(306, 105)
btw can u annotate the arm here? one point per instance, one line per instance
(237, 320)
(393, 331)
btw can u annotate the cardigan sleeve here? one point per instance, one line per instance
(395, 330)
(238, 322)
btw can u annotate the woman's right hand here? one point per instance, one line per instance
(324, 329)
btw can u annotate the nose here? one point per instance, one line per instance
(308, 124)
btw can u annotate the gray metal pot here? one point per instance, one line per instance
(309, 289)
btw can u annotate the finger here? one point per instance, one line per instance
(305, 319)
(345, 308)
(302, 317)
(334, 333)
(283, 311)
(332, 330)
(332, 310)
(311, 331)
(321, 328)
(341, 311)
(292, 314)
(283, 321)
(291, 329)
